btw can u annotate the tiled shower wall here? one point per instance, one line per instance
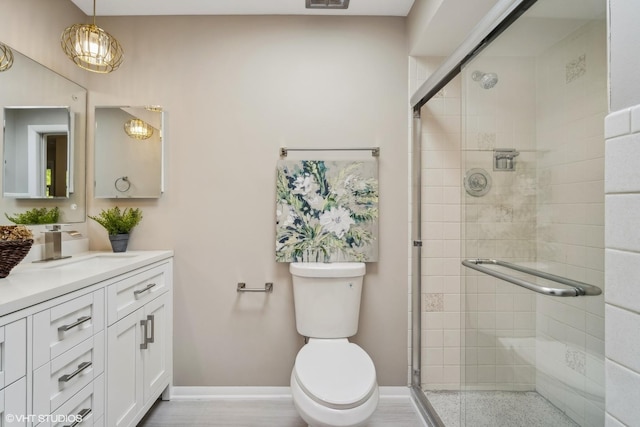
(623, 267)
(571, 82)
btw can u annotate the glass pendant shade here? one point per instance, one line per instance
(138, 129)
(92, 48)
(6, 57)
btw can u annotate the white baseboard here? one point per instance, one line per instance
(222, 393)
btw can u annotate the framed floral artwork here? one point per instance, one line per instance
(327, 211)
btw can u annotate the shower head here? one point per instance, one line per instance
(486, 80)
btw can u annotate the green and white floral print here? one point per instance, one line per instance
(327, 211)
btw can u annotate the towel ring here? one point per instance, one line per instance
(123, 186)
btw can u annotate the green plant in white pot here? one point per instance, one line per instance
(118, 224)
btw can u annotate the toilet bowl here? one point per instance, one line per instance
(333, 381)
(333, 384)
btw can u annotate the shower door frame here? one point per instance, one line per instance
(498, 19)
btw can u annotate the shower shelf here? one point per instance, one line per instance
(576, 288)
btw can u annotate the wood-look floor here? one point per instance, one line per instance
(391, 412)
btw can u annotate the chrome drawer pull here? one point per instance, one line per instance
(145, 341)
(139, 291)
(151, 318)
(80, 417)
(67, 377)
(80, 321)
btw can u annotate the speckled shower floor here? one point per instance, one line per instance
(498, 409)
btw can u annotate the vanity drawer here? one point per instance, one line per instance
(59, 328)
(13, 352)
(128, 295)
(86, 407)
(64, 376)
(13, 404)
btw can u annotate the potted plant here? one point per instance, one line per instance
(118, 224)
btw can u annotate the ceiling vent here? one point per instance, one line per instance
(327, 4)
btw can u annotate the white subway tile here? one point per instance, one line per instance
(622, 275)
(623, 217)
(623, 393)
(623, 339)
(622, 156)
(617, 123)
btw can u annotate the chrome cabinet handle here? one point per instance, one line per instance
(139, 291)
(145, 341)
(67, 377)
(81, 415)
(152, 319)
(80, 321)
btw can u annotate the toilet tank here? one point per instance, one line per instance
(327, 298)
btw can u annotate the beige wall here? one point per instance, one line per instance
(236, 89)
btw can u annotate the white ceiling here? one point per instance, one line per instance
(238, 7)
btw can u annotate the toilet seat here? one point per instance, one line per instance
(335, 373)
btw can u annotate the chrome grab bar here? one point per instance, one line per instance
(577, 288)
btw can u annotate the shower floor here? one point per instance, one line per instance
(498, 409)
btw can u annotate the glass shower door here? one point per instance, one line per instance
(533, 108)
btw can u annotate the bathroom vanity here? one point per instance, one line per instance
(89, 337)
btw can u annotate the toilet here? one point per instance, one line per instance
(333, 381)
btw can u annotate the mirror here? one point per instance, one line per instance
(37, 148)
(43, 142)
(129, 152)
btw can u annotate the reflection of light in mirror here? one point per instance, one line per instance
(6, 57)
(138, 129)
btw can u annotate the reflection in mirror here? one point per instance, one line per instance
(37, 148)
(43, 166)
(128, 152)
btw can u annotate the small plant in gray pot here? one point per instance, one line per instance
(118, 224)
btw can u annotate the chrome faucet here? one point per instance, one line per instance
(53, 242)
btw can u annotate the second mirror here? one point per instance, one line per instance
(128, 152)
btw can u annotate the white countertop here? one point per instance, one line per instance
(32, 283)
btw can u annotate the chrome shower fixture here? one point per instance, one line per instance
(504, 159)
(327, 4)
(486, 80)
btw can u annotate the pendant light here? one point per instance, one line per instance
(92, 48)
(138, 129)
(6, 57)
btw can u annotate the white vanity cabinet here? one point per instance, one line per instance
(13, 369)
(139, 344)
(86, 346)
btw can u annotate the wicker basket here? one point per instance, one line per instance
(11, 253)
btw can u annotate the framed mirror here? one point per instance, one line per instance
(43, 141)
(129, 152)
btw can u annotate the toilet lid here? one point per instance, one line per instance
(335, 373)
